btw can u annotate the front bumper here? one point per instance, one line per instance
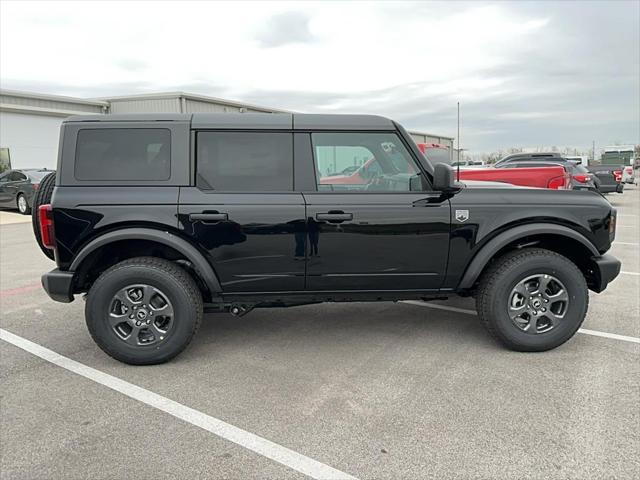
(607, 267)
(58, 285)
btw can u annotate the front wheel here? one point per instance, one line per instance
(532, 300)
(143, 311)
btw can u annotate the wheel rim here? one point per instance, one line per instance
(141, 315)
(22, 204)
(538, 303)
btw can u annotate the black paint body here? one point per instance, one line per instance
(276, 245)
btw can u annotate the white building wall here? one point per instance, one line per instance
(32, 140)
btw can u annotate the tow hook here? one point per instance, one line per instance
(240, 310)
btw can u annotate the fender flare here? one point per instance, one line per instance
(161, 236)
(486, 253)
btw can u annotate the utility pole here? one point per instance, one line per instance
(593, 153)
(458, 138)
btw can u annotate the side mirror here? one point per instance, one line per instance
(444, 178)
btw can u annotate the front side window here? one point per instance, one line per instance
(244, 161)
(357, 162)
(117, 154)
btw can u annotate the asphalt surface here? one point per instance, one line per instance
(385, 390)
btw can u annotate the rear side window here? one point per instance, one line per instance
(116, 154)
(244, 161)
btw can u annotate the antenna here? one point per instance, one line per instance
(458, 175)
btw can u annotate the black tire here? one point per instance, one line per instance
(496, 289)
(42, 197)
(178, 286)
(26, 210)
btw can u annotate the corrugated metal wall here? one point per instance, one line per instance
(8, 100)
(147, 105)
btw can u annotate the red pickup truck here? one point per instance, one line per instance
(554, 177)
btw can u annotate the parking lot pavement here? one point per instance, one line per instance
(8, 217)
(389, 390)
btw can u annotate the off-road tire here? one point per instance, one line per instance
(42, 197)
(176, 283)
(497, 282)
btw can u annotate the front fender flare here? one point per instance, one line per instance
(493, 246)
(192, 254)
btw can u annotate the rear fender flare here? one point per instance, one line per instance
(192, 254)
(493, 246)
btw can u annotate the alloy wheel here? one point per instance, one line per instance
(538, 303)
(141, 315)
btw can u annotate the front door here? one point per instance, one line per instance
(383, 230)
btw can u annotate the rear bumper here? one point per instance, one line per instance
(58, 285)
(620, 188)
(607, 267)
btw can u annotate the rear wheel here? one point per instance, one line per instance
(42, 197)
(532, 299)
(23, 205)
(144, 310)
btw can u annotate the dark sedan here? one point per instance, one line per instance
(17, 188)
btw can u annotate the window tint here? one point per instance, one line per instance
(123, 154)
(382, 163)
(245, 161)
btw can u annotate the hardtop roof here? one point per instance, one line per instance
(285, 121)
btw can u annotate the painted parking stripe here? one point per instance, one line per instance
(635, 244)
(586, 331)
(248, 440)
(630, 273)
(19, 290)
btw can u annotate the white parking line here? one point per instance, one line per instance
(635, 244)
(614, 336)
(630, 273)
(257, 444)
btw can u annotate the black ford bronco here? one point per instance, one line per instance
(159, 218)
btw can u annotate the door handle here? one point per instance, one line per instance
(208, 217)
(334, 217)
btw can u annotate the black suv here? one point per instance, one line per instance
(158, 218)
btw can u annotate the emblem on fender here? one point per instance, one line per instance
(462, 215)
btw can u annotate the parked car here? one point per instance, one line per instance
(628, 175)
(157, 218)
(17, 188)
(579, 177)
(551, 176)
(518, 157)
(610, 177)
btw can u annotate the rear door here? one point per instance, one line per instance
(389, 233)
(243, 212)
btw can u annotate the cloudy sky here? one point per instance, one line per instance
(526, 73)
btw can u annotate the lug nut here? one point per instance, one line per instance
(138, 324)
(544, 309)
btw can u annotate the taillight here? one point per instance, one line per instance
(45, 215)
(35, 186)
(557, 183)
(612, 226)
(582, 178)
(618, 175)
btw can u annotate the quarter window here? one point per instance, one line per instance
(123, 154)
(356, 162)
(245, 161)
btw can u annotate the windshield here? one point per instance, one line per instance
(438, 155)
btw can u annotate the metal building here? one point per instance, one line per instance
(30, 122)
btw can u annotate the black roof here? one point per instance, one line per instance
(288, 121)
